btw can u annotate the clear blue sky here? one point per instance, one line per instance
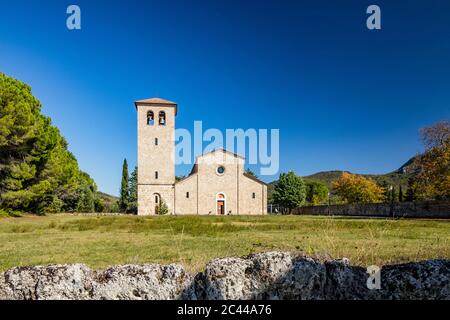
(343, 97)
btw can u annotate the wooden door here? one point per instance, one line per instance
(221, 207)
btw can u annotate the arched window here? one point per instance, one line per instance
(156, 141)
(156, 175)
(150, 118)
(162, 118)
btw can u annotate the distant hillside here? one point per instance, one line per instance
(108, 200)
(396, 178)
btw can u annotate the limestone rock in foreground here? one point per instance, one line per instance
(59, 282)
(78, 282)
(148, 282)
(272, 275)
(279, 275)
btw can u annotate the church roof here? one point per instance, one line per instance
(156, 102)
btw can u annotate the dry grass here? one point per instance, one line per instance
(192, 241)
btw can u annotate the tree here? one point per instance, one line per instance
(316, 192)
(401, 197)
(411, 191)
(394, 196)
(124, 195)
(87, 190)
(290, 191)
(357, 189)
(387, 194)
(38, 174)
(99, 205)
(249, 172)
(162, 209)
(433, 167)
(132, 192)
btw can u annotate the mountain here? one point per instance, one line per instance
(396, 178)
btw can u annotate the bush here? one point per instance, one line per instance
(162, 209)
(99, 205)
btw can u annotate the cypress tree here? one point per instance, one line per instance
(394, 196)
(400, 195)
(132, 199)
(124, 192)
(411, 191)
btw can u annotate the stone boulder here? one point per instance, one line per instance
(266, 276)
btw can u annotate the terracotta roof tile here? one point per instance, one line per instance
(155, 102)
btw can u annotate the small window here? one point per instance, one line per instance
(187, 195)
(156, 199)
(162, 118)
(156, 141)
(150, 118)
(156, 174)
(254, 195)
(221, 170)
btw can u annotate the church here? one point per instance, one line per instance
(216, 185)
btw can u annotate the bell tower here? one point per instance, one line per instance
(156, 154)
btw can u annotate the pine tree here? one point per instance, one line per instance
(38, 173)
(124, 193)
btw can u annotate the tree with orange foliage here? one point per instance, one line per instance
(433, 167)
(353, 188)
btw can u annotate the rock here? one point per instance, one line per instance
(345, 282)
(273, 275)
(78, 282)
(59, 282)
(426, 280)
(148, 282)
(268, 276)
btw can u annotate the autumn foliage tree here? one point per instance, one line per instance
(357, 189)
(433, 166)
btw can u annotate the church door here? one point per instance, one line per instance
(221, 207)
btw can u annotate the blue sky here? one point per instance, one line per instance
(342, 96)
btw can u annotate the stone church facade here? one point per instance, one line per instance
(217, 184)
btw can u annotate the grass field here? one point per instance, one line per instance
(192, 241)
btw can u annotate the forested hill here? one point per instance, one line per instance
(396, 178)
(38, 174)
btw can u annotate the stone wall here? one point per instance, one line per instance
(267, 276)
(427, 209)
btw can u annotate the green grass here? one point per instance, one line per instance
(101, 241)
